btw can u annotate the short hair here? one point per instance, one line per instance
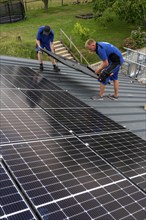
(89, 42)
(47, 29)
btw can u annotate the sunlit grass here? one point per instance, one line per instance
(60, 17)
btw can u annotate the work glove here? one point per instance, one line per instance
(104, 75)
(40, 48)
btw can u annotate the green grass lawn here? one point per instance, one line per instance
(18, 39)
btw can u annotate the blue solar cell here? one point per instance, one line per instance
(1, 212)
(7, 191)
(42, 199)
(11, 200)
(17, 206)
(26, 215)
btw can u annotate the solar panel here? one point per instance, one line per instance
(34, 87)
(68, 160)
(5, 83)
(73, 64)
(55, 99)
(32, 81)
(29, 124)
(13, 206)
(83, 121)
(12, 99)
(64, 179)
(16, 70)
(125, 151)
(109, 202)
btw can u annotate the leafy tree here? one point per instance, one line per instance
(132, 11)
(45, 4)
(99, 6)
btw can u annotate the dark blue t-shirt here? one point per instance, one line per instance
(43, 38)
(104, 50)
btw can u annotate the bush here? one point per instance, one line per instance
(107, 17)
(136, 40)
(129, 43)
(82, 32)
(139, 37)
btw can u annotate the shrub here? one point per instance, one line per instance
(107, 17)
(82, 32)
(139, 37)
(129, 43)
(136, 40)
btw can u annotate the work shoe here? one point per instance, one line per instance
(41, 67)
(97, 97)
(56, 69)
(113, 97)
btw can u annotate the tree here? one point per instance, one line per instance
(132, 11)
(45, 4)
(99, 6)
(103, 11)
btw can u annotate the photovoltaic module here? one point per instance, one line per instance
(62, 159)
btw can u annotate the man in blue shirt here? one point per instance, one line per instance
(44, 39)
(112, 59)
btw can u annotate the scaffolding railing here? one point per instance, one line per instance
(134, 65)
(135, 56)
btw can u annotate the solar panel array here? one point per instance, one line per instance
(13, 206)
(62, 159)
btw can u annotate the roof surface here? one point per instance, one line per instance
(128, 111)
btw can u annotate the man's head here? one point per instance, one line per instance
(91, 45)
(47, 30)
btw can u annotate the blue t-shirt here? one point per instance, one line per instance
(43, 38)
(104, 50)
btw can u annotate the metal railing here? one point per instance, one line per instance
(135, 56)
(70, 46)
(135, 64)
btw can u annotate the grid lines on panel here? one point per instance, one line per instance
(5, 83)
(13, 205)
(31, 124)
(120, 201)
(52, 170)
(84, 121)
(13, 98)
(31, 81)
(55, 99)
(14, 70)
(125, 151)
